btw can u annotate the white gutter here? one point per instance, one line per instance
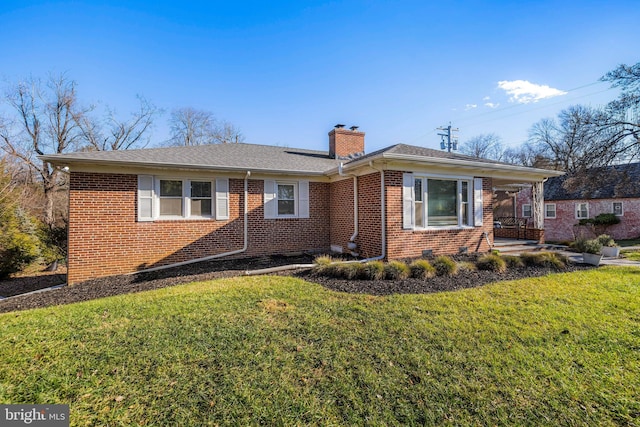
(352, 239)
(186, 166)
(383, 225)
(207, 258)
(485, 166)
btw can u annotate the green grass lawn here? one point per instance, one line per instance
(557, 350)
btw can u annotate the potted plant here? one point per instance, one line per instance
(590, 249)
(609, 247)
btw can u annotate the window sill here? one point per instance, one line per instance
(441, 228)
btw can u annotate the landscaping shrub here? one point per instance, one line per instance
(445, 266)
(19, 243)
(373, 270)
(396, 270)
(351, 270)
(422, 269)
(322, 264)
(589, 246)
(492, 262)
(466, 266)
(513, 261)
(544, 259)
(606, 240)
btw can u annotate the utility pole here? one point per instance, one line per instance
(448, 141)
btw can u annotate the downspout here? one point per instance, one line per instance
(383, 225)
(207, 258)
(352, 240)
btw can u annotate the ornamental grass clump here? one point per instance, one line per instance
(323, 264)
(352, 270)
(466, 266)
(545, 259)
(492, 262)
(513, 261)
(396, 270)
(445, 266)
(373, 270)
(422, 269)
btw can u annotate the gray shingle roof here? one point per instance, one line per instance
(619, 181)
(218, 156)
(413, 150)
(266, 158)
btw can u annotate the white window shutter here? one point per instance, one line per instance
(477, 202)
(303, 199)
(222, 198)
(145, 198)
(408, 209)
(270, 201)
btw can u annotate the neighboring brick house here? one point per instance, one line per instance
(146, 209)
(618, 192)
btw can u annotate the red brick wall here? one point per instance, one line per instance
(369, 216)
(341, 212)
(563, 226)
(105, 237)
(409, 243)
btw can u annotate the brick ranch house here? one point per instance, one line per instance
(618, 192)
(136, 210)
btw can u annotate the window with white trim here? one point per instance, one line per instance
(286, 199)
(440, 202)
(617, 209)
(286, 196)
(550, 210)
(582, 210)
(180, 198)
(526, 211)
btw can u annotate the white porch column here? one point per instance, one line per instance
(537, 208)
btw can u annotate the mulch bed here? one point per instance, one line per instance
(117, 285)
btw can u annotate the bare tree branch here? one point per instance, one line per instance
(197, 127)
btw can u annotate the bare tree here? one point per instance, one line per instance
(45, 122)
(197, 127)
(619, 122)
(484, 146)
(111, 133)
(526, 155)
(573, 143)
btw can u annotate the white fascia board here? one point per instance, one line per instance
(493, 170)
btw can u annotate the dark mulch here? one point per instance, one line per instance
(463, 280)
(117, 285)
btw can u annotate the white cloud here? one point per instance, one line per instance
(470, 107)
(486, 98)
(524, 92)
(491, 104)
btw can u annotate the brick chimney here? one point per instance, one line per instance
(346, 144)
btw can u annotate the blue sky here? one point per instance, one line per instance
(286, 72)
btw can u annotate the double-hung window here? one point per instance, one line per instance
(526, 211)
(437, 202)
(286, 196)
(550, 210)
(582, 210)
(286, 199)
(176, 198)
(200, 200)
(170, 195)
